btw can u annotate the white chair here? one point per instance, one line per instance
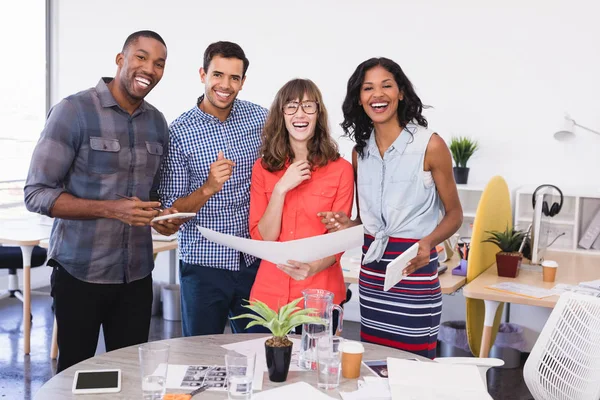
(483, 364)
(564, 363)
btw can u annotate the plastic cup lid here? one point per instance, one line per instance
(352, 347)
(549, 263)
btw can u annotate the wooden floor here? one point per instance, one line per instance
(21, 376)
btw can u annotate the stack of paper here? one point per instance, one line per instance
(298, 390)
(428, 380)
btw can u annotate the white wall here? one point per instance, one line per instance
(500, 71)
(503, 72)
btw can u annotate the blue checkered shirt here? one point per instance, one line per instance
(195, 140)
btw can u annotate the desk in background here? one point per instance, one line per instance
(25, 233)
(573, 268)
(449, 283)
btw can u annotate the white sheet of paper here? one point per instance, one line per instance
(303, 250)
(298, 390)
(410, 380)
(175, 374)
(258, 346)
(393, 273)
(373, 388)
(523, 290)
(591, 284)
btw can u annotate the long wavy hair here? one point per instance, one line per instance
(357, 125)
(276, 148)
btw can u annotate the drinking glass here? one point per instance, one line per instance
(154, 359)
(240, 374)
(329, 361)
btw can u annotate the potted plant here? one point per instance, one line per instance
(508, 259)
(462, 148)
(278, 348)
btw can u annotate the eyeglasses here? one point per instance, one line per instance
(309, 107)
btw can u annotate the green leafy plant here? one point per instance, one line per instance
(279, 323)
(508, 241)
(462, 148)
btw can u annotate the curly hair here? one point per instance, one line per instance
(276, 149)
(357, 125)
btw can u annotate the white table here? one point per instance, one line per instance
(25, 233)
(193, 350)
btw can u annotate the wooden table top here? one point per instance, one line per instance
(449, 283)
(573, 268)
(195, 350)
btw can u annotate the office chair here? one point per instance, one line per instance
(564, 363)
(11, 258)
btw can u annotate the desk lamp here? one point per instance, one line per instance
(567, 132)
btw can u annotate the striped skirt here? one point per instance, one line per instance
(407, 316)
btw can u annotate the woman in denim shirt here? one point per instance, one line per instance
(404, 180)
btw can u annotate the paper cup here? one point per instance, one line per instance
(352, 353)
(549, 268)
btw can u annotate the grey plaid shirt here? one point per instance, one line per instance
(93, 149)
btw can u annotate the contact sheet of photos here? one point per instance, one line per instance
(215, 377)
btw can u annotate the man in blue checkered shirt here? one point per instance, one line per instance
(212, 149)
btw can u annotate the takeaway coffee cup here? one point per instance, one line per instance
(352, 353)
(549, 268)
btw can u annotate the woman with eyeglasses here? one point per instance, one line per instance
(300, 173)
(404, 179)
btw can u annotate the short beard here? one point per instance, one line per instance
(125, 84)
(214, 104)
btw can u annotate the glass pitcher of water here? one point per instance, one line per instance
(322, 302)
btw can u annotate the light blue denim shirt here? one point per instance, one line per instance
(396, 197)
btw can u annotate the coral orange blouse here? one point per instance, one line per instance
(330, 188)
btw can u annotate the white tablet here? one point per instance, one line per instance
(97, 381)
(394, 270)
(174, 216)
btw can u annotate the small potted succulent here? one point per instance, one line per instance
(508, 259)
(278, 348)
(462, 148)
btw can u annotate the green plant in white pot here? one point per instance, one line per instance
(462, 149)
(278, 348)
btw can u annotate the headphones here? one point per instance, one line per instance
(555, 208)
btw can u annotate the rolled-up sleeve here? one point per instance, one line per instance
(52, 158)
(174, 175)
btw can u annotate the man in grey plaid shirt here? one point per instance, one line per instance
(95, 170)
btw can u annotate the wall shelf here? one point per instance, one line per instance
(578, 209)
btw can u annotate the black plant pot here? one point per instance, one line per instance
(461, 174)
(278, 362)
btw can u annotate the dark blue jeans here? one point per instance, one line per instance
(209, 296)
